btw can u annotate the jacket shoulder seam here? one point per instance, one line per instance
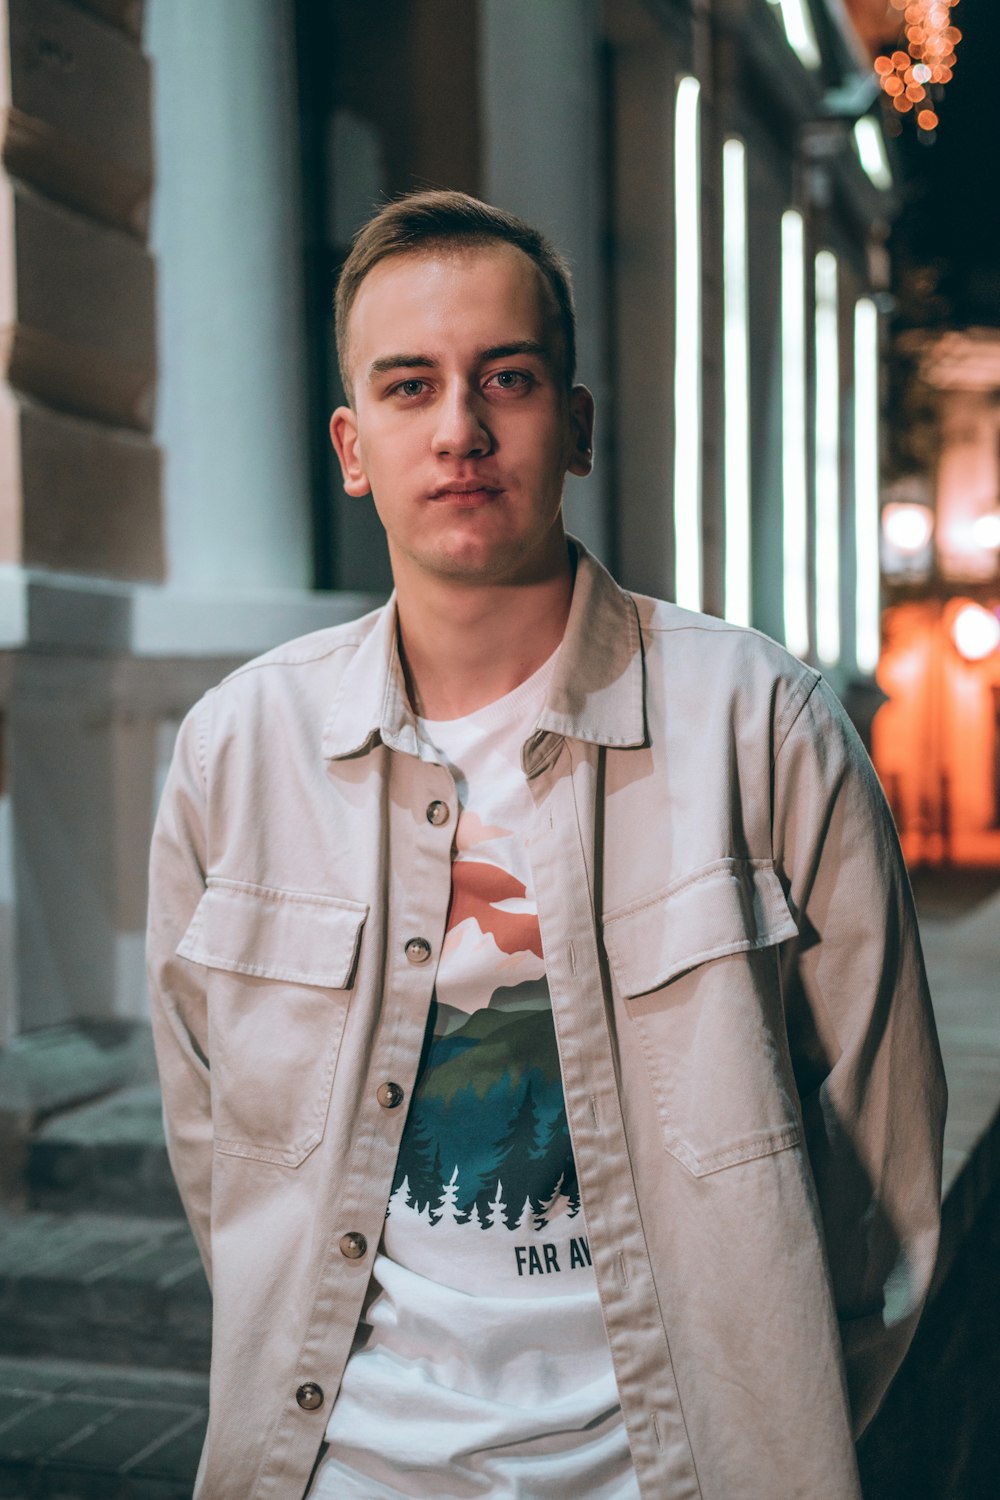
(792, 711)
(274, 659)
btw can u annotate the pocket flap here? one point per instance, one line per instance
(275, 934)
(731, 906)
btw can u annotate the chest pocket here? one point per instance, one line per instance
(280, 965)
(698, 967)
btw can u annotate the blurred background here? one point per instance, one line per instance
(782, 217)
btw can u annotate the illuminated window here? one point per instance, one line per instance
(797, 20)
(866, 482)
(827, 470)
(737, 383)
(795, 481)
(870, 145)
(687, 353)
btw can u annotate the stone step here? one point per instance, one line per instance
(74, 1431)
(108, 1155)
(113, 1288)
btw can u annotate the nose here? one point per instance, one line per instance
(462, 429)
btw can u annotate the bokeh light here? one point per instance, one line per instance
(975, 632)
(907, 526)
(928, 62)
(986, 531)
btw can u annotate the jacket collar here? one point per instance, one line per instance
(596, 693)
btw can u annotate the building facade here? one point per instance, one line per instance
(937, 740)
(180, 184)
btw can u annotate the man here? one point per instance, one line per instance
(548, 1065)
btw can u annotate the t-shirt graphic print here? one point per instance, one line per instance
(486, 1146)
(482, 1366)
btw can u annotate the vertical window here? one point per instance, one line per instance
(866, 484)
(687, 352)
(795, 482)
(737, 383)
(827, 461)
(869, 143)
(800, 31)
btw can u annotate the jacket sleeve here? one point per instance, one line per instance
(177, 989)
(863, 1041)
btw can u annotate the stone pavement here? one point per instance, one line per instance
(104, 1311)
(104, 1315)
(71, 1431)
(962, 952)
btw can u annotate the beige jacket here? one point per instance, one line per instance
(752, 1077)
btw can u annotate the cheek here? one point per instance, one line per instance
(388, 442)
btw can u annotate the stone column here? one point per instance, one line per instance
(228, 239)
(79, 473)
(79, 486)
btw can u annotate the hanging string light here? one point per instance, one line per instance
(913, 79)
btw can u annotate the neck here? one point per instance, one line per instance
(465, 647)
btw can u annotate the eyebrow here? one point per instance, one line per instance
(399, 362)
(389, 362)
(518, 346)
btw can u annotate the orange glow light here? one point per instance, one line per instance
(928, 62)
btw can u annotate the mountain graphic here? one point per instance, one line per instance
(488, 1110)
(493, 1045)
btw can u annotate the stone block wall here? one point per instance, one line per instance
(79, 472)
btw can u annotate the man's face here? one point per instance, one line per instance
(462, 427)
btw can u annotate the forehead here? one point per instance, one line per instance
(449, 300)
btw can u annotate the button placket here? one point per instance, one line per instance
(415, 918)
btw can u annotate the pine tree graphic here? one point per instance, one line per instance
(449, 1203)
(555, 1172)
(516, 1152)
(526, 1221)
(419, 1162)
(493, 1217)
(544, 1209)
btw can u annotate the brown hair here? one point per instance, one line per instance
(443, 219)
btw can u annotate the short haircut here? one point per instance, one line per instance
(443, 220)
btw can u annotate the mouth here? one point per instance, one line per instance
(466, 492)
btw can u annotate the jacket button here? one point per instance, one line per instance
(310, 1396)
(418, 950)
(353, 1246)
(437, 813)
(389, 1095)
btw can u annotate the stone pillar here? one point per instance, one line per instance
(79, 489)
(228, 240)
(79, 476)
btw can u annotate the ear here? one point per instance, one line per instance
(581, 415)
(344, 436)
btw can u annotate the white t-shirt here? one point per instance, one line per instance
(481, 1367)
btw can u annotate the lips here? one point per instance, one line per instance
(466, 493)
(465, 489)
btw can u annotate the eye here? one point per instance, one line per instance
(412, 387)
(509, 380)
